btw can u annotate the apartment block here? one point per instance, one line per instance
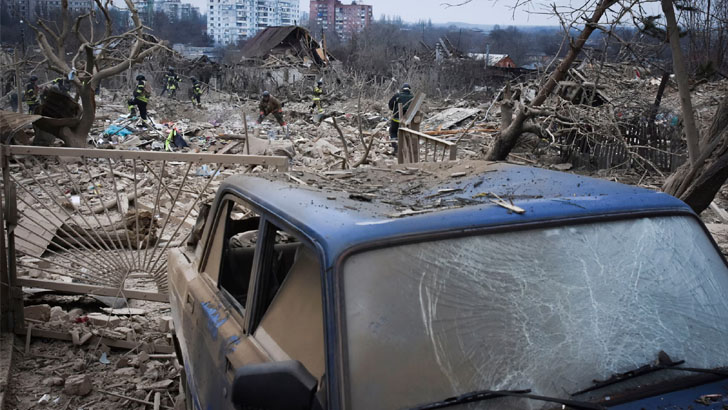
(31, 10)
(174, 9)
(344, 19)
(230, 21)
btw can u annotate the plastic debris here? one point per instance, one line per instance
(117, 130)
(103, 359)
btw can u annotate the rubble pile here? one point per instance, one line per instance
(114, 358)
(118, 353)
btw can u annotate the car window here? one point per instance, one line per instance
(547, 309)
(236, 237)
(290, 307)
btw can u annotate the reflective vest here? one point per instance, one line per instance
(317, 92)
(170, 139)
(196, 89)
(139, 92)
(172, 81)
(31, 96)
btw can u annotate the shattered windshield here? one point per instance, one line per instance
(544, 309)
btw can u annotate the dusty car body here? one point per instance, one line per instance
(303, 297)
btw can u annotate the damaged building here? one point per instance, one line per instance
(277, 57)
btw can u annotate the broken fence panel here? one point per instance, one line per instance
(100, 222)
(416, 147)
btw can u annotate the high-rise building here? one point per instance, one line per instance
(229, 21)
(31, 10)
(174, 9)
(344, 19)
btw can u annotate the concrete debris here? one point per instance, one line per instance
(124, 311)
(102, 320)
(53, 381)
(77, 385)
(38, 312)
(45, 399)
(165, 324)
(125, 372)
(58, 314)
(160, 385)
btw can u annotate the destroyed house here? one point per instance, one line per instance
(494, 60)
(285, 45)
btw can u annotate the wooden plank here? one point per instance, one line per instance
(84, 289)
(121, 344)
(453, 152)
(428, 137)
(413, 108)
(279, 162)
(228, 147)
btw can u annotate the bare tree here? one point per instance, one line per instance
(97, 57)
(681, 75)
(697, 181)
(506, 140)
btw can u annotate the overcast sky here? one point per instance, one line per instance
(476, 12)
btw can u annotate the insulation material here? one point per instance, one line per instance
(548, 310)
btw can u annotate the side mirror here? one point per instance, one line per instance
(274, 386)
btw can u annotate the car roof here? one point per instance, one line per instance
(345, 209)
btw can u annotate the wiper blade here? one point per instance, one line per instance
(664, 362)
(482, 395)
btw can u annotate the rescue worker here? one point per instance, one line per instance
(61, 84)
(271, 105)
(403, 99)
(171, 83)
(31, 95)
(196, 93)
(318, 91)
(140, 99)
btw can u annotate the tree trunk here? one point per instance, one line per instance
(658, 98)
(681, 75)
(76, 137)
(507, 107)
(508, 137)
(698, 184)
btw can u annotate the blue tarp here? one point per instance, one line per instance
(117, 130)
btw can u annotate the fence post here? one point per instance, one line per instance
(14, 319)
(5, 317)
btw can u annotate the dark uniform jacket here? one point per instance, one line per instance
(270, 106)
(402, 98)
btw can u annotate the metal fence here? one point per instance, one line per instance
(100, 222)
(647, 145)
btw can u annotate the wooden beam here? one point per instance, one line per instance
(453, 132)
(83, 289)
(428, 137)
(413, 108)
(121, 344)
(280, 162)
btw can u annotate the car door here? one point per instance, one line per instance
(286, 320)
(212, 301)
(256, 297)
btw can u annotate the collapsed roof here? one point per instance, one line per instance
(286, 43)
